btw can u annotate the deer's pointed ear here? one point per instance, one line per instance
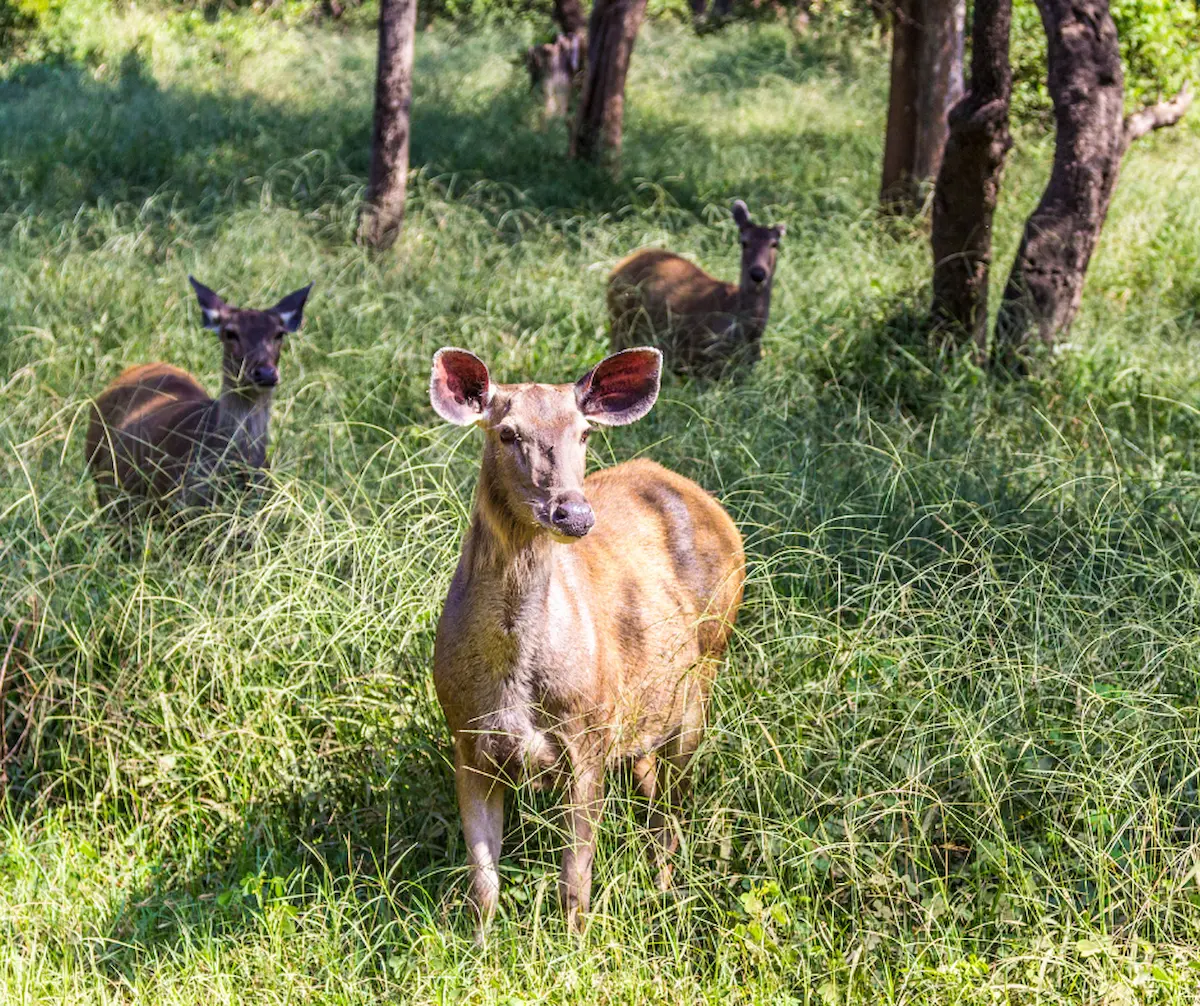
(780, 230)
(211, 306)
(291, 308)
(621, 388)
(741, 213)
(460, 389)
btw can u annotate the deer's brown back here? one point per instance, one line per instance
(655, 293)
(143, 428)
(663, 553)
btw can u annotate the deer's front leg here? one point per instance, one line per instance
(481, 806)
(585, 801)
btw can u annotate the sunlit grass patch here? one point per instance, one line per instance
(953, 753)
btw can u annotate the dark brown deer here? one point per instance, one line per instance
(703, 325)
(587, 616)
(155, 434)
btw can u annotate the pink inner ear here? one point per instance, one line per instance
(621, 389)
(464, 379)
(620, 383)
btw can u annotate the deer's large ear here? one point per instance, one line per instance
(620, 389)
(741, 213)
(211, 306)
(780, 230)
(291, 308)
(460, 389)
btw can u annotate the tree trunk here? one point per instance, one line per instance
(699, 9)
(383, 213)
(570, 17)
(941, 83)
(927, 56)
(598, 121)
(897, 191)
(968, 184)
(1086, 83)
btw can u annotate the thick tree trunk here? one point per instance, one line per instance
(570, 17)
(941, 83)
(926, 81)
(599, 119)
(383, 213)
(1086, 83)
(968, 184)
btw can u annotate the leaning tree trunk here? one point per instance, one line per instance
(1086, 83)
(926, 81)
(599, 119)
(968, 184)
(383, 212)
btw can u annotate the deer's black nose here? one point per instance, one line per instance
(572, 515)
(264, 375)
(758, 274)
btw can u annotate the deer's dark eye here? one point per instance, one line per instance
(583, 437)
(508, 435)
(229, 335)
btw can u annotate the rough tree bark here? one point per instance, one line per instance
(570, 17)
(383, 212)
(968, 184)
(926, 81)
(897, 191)
(1086, 83)
(941, 83)
(599, 118)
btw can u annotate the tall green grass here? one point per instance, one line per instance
(954, 753)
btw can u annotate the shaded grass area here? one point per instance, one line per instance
(953, 754)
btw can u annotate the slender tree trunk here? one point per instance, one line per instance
(1086, 83)
(383, 213)
(599, 119)
(570, 17)
(897, 191)
(699, 10)
(968, 184)
(926, 81)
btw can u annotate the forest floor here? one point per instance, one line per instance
(954, 753)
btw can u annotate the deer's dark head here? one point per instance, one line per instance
(760, 249)
(251, 340)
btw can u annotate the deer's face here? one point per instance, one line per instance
(760, 248)
(537, 433)
(251, 341)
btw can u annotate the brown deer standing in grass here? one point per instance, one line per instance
(155, 434)
(703, 325)
(587, 617)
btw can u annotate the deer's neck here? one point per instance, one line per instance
(509, 558)
(754, 305)
(241, 418)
